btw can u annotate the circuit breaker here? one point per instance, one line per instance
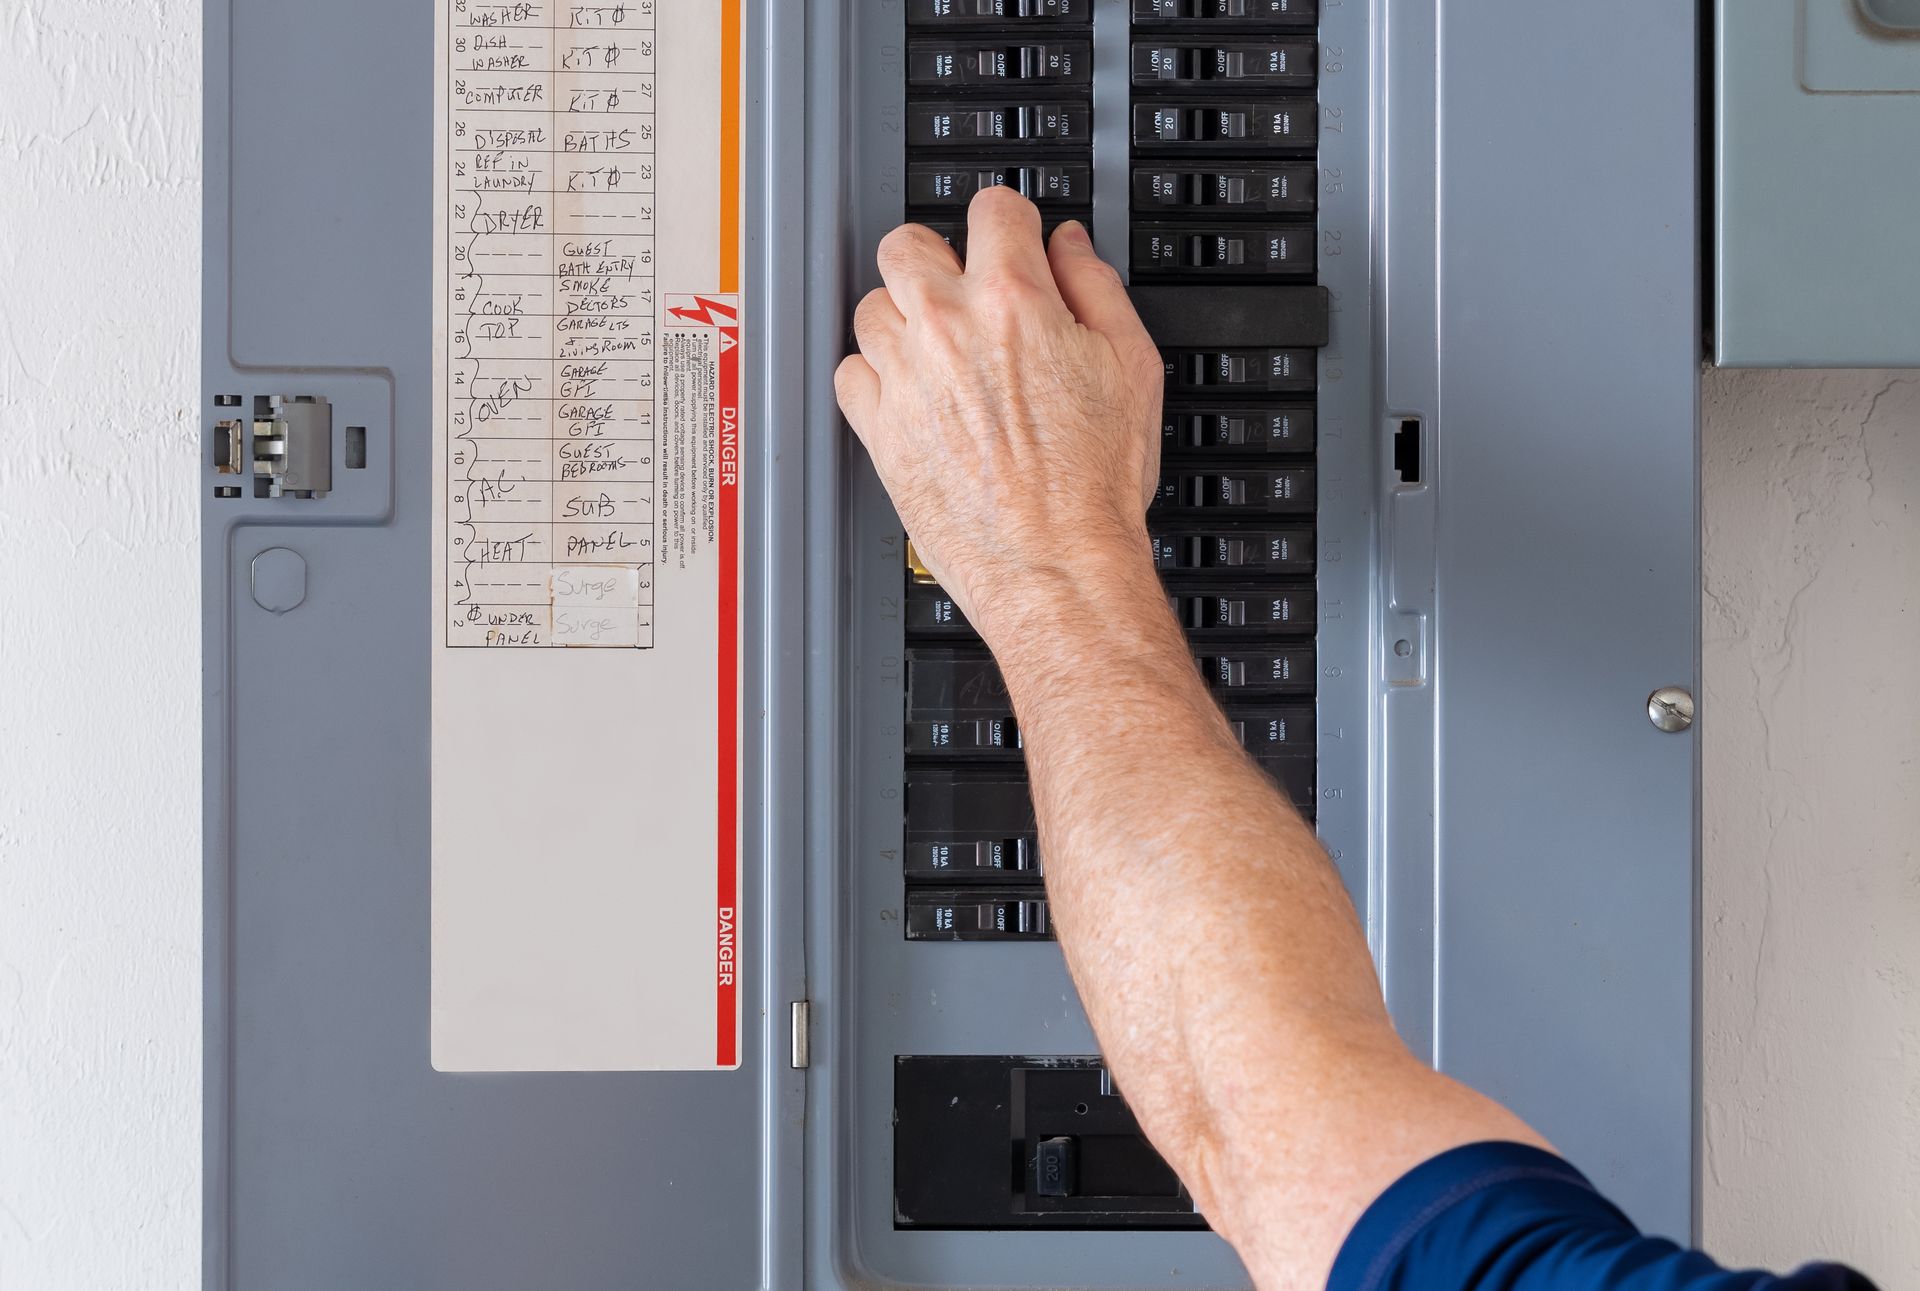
(621, 870)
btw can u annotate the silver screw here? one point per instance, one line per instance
(1670, 709)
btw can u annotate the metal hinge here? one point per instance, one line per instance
(798, 1057)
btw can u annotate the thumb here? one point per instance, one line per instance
(1094, 292)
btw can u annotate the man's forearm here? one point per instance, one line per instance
(1215, 949)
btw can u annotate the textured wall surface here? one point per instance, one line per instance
(1811, 719)
(1811, 729)
(99, 641)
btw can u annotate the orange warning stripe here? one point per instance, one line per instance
(730, 55)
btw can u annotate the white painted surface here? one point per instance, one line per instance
(99, 642)
(1811, 720)
(1811, 723)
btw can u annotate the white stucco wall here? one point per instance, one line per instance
(1811, 719)
(99, 633)
(1811, 729)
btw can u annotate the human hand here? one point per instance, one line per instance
(1012, 408)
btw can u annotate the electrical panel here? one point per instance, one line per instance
(621, 869)
(1816, 106)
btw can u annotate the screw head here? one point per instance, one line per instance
(1670, 709)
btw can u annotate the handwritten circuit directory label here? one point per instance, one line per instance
(586, 724)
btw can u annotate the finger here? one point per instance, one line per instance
(857, 386)
(1094, 292)
(916, 262)
(1003, 240)
(877, 326)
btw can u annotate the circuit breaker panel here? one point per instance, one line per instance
(620, 865)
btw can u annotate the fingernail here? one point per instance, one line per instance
(1077, 231)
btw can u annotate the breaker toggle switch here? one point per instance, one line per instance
(1254, 250)
(1056, 1167)
(1266, 190)
(1239, 13)
(987, 856)
(1265, 551)
(940, 13)
(1258, 670)
(938, 185)
(1269, 64)
(1237, 430)
(961, 125)
(1227, 371)
(1281, 124)
(1274, 732)
(1243, 610)
(962, 915)
(1269, 491)
(1065, 63)
(966, 735)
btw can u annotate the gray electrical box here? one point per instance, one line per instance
(619, 871)
(1817, 201)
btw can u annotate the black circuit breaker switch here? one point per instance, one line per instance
(1228, 13)
(955, 64)
(1048, 184)
(955, 231)
(1258, 672)
(1286, 370)
(1056, 1167)
(974, 125)
(968, 824)
(1266, 64)
(1195, 430)
(1245, 611)
(961, 736)
(954, 682)
(1268, 732)
(1252, 551)
(1286, 188)
(961, 13)
(1247, 492)
(1226, 126)
(1252, 250)
(930, 611)
(963, 914)
(996, 858)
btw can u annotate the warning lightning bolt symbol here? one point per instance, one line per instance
(705, 311)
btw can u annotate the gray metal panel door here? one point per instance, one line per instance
(1565, 577)
(336, 1157)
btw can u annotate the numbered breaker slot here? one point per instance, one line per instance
(999, 95)
(1191, 430)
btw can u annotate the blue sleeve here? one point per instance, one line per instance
(1506, 1217)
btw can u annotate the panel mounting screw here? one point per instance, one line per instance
(1670, 709)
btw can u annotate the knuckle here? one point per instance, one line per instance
(902, 245)
(998, 197)
(1007, 290)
